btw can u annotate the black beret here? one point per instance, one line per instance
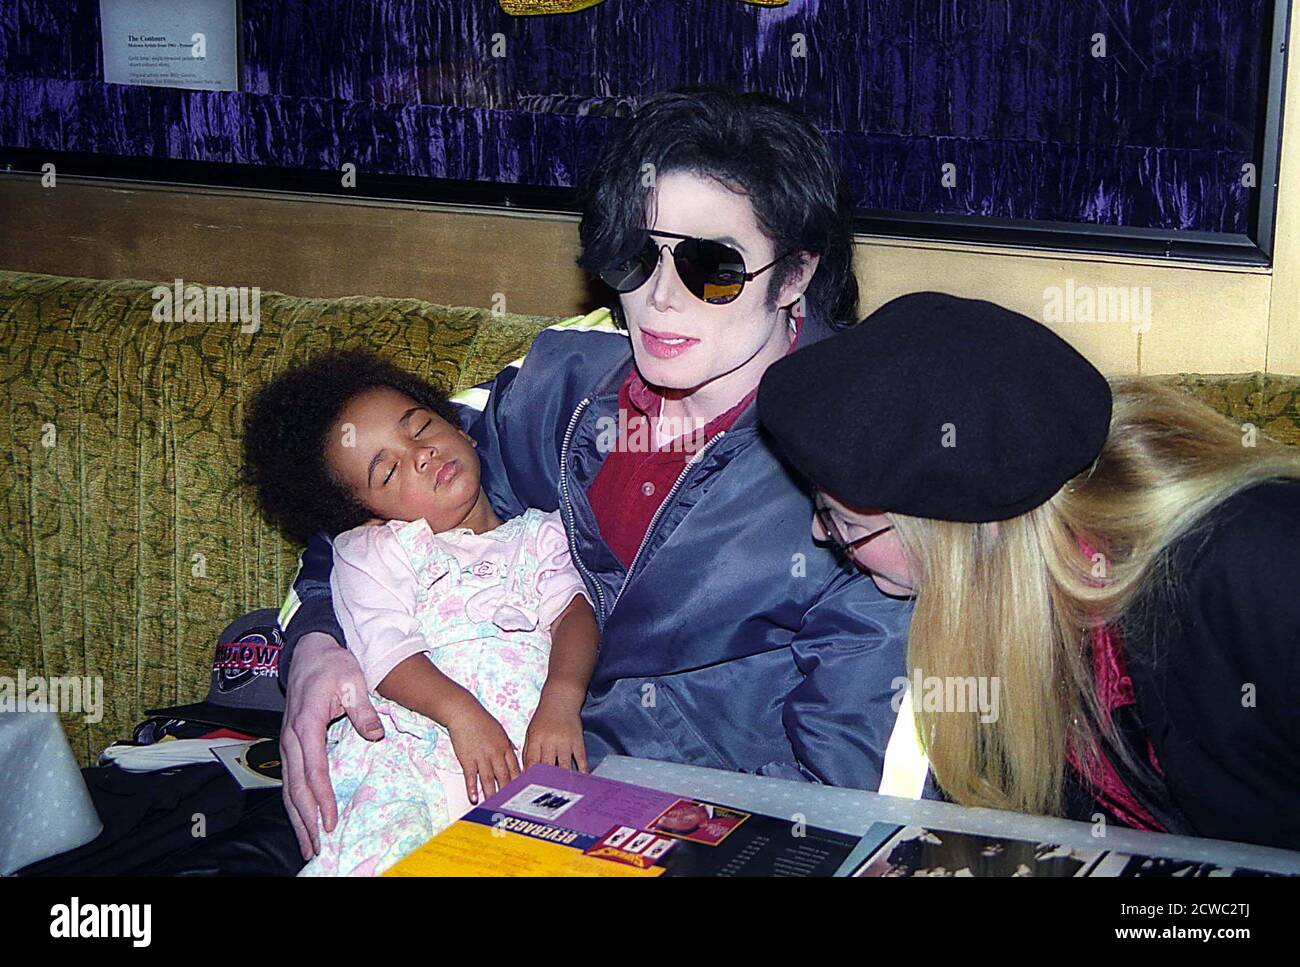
(935, 406)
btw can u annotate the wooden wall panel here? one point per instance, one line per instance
(298, 244)
(1204, 319)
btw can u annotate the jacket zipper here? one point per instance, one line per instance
(568, 507)
(655, 519)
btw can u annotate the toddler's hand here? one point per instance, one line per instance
(486, 755)
(554, 737)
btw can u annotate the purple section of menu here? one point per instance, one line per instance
(584, 803)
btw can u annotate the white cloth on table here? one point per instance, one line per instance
(45, 808)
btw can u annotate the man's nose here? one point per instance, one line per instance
(666, 286)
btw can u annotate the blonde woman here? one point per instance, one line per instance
(1120, 560)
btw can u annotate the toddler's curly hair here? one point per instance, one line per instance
(288, 425)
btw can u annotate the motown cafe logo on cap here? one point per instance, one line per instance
(255, 654)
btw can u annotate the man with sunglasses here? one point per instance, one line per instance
(730, 636)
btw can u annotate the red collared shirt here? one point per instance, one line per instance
(636, 477)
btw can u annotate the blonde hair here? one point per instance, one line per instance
(1018, 600)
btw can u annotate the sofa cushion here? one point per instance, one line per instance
(1270, 402)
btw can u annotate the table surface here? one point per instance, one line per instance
(852, 811)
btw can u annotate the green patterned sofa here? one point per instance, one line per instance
(128, 544)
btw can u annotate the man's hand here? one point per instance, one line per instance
(325, 681)
(554, 735)
(483, 749)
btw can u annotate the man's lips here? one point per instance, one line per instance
(448, 472)
(666, 345)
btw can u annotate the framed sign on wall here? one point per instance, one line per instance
(159, 43)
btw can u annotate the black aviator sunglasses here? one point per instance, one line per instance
(711, 271)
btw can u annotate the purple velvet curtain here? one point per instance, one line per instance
(1152, 135)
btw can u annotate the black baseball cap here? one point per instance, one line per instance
(245, 691)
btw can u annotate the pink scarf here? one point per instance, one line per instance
(1114, 691)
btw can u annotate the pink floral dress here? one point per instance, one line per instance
(480, 607)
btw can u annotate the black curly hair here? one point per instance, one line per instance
(288, 425)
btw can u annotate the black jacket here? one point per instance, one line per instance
(1215, 662)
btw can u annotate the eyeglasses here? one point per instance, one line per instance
(835, 533)
(711, 271)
